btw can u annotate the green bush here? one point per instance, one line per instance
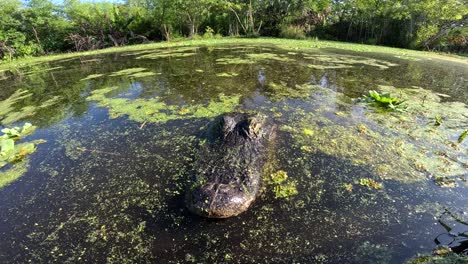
(209, 33)
(292, 32)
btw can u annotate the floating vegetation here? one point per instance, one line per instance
(15, 154)
(153, 110)
(385, 101)
(348, 187)
(370, 183)
(327, 67)
(92, 76)
(462, 136)
(133, 73)
(345, 61)
(181, 52)
(269, 56)
(13, 173)
(407, 138)
(281, 188)
(253, 58)
(230, 60)
(444, 181)
(282, 91)
(227, 74)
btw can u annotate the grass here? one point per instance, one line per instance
(281, 43)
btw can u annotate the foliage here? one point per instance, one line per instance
(11, 152)
(462, 136)
(292, 32)
(383, 100)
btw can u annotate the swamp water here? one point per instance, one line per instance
(120, 133)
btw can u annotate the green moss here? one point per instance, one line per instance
(153, 110)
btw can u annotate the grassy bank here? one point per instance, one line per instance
(281, 43)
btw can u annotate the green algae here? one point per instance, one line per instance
(227, 74)
(12, 152)
(134, 73)
(170, 53)
(281, 187)
(252, 58)
(128, 72)
(92, 76)
(283, 91)
(390, 138)
(12, 174)
(449, 258)
(153, 110)
(346, 61)
(370, 183)
(232, 60)
(327, 67)
(269, 56)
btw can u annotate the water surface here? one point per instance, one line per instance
(123, 132)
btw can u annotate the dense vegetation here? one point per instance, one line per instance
(36, 27)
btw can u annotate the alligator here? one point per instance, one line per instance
(228, 173)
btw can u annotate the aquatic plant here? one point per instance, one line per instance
(462, 136)
(15, 154)
(438, 120)
(154, 110)
(370, 183)
(444, 181)
(11, 152)
(285, 190)
(281, 188)
(383, 100)
(279, 177)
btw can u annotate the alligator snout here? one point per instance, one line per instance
(229, 179)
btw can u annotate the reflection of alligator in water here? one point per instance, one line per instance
(230, 168)
(456, 237)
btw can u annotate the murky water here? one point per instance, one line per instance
(123, 130)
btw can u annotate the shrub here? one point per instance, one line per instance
(292, 32)
(209, 33)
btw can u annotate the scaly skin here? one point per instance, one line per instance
(229, 177)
